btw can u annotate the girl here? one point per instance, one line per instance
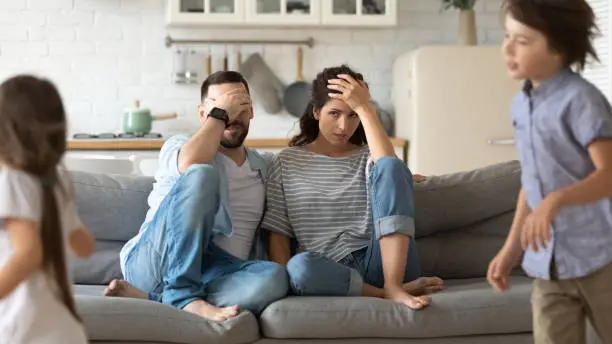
(37, 212)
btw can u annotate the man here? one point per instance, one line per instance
(203, 222)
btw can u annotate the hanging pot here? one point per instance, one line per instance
(297, 95)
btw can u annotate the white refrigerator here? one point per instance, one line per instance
(453, 105)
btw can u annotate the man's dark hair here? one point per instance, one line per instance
(222, 77)
(569, 26)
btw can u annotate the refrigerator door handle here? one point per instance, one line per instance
(502, 142)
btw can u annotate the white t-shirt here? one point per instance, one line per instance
(246, 199)
(33, 313)
(246, 195)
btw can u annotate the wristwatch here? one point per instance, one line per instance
(219, 114)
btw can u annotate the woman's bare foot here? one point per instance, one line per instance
(424, 286)
(210, 312)
(121, 288)
(398, 294)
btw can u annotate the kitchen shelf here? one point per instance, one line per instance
(94, 144)
(144, 144)
(144, 153)
(169, 41)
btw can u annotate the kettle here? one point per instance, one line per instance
(139, 120)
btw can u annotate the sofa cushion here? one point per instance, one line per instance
(466, 307)
(123, 319)
(102, 267)
(522, 338)
(464, 252)
(460, 199)
(112, 206)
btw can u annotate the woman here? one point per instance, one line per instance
(348, 204)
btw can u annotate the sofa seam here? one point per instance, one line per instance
(109, 188)
(425, 188)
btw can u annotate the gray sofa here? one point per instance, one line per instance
(462, 221)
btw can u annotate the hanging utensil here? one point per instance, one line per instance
(209, 62)
(191, 76)
(238, 59)
(179, 67)
(225, 60)
(297, 95)
(265, 85)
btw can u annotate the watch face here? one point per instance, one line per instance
(220, 114)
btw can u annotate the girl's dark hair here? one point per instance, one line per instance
(33, 132)
(309, 126)
(569, 26)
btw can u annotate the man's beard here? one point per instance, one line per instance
(235, 141)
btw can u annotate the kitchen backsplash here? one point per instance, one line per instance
(105, 54)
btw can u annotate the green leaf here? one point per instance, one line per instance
(458, 4)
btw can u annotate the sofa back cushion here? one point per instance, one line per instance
(452, 201)
(462, 219)
(112, 207)
(464, 252)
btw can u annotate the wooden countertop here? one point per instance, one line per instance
(145, 144)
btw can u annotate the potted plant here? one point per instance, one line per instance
(467, 19)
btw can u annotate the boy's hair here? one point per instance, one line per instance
(569, 26)
(33, 132)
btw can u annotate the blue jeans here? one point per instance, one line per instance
(391, 192)
(177, 262)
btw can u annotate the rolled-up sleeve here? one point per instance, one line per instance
(169, 154)
(276, 218)
(590, 117)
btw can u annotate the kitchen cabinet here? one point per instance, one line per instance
(126, 162)
(283, 13)
(361, 13)
(198, 12)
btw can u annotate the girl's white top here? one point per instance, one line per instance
(33, 312)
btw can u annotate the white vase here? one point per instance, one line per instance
(467, 28)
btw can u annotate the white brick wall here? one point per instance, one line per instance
(104, 54)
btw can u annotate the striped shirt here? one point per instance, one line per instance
(321, 201)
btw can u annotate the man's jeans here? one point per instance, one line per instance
(177, 262)
(391, 192)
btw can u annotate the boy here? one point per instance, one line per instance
(563, 126)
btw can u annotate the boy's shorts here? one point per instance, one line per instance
(560, 308)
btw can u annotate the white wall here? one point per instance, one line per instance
(104, 54)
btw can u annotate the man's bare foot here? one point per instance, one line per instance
(121, 288)
(424, 286)
(210, 312)
(398, 294)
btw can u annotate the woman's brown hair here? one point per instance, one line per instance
(33, 132)
(309, 125)
(569, 26)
